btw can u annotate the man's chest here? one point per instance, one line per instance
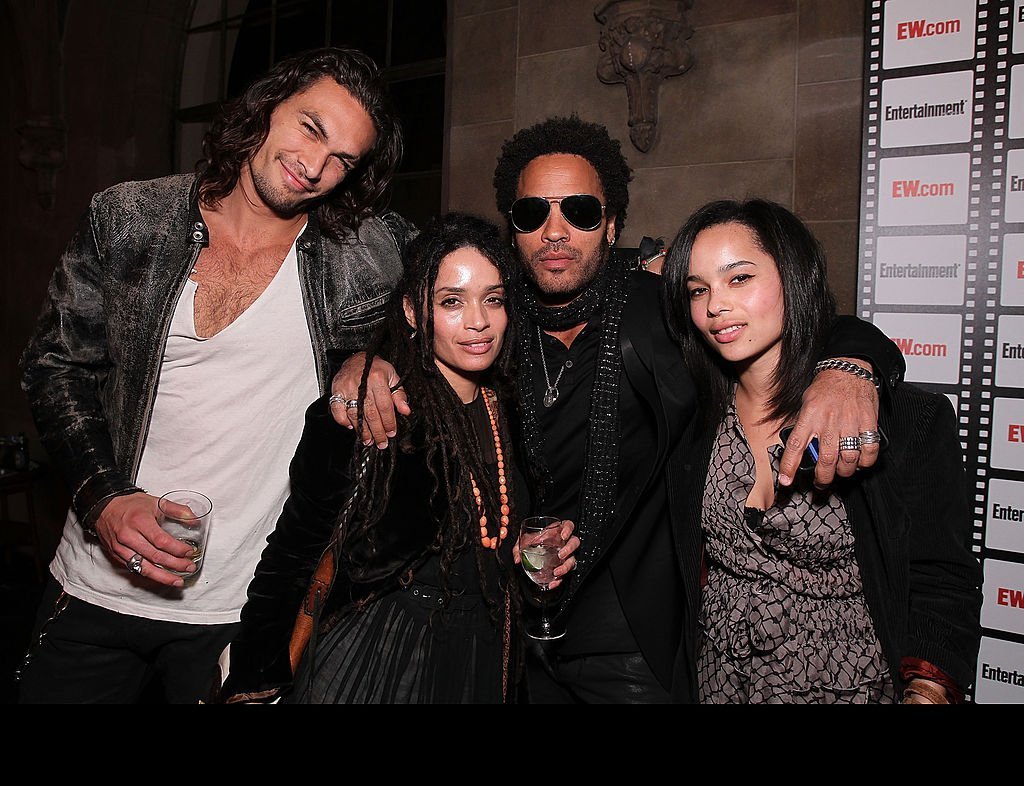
(230, 281)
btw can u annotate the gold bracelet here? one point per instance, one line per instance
(934, 694)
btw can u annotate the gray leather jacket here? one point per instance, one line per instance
(92, 368)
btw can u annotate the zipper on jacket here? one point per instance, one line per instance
(319, 349)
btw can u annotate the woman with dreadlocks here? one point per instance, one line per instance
(423, 603)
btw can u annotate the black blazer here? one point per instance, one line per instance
(911, 522)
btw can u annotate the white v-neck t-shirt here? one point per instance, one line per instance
(226, 420)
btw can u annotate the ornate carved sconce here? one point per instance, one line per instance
(643, 42)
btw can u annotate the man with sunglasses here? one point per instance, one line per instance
(607, 407)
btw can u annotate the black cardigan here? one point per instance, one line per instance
(912, 528)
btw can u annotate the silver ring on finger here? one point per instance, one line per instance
(336, 398)
(849, 443)
(135, 564)
(870, 437)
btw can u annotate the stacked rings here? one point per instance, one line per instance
(870, 438)
(849, 443)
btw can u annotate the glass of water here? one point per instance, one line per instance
(185, 515)
(540, 538)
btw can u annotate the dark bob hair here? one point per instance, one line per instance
(242, 125)
(573, 136)
(809, 304)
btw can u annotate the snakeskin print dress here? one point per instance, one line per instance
(783, 615)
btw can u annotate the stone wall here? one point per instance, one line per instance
(771, 107)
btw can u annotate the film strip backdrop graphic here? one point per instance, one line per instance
(942, 260)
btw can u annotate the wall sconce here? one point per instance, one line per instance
(643, 42)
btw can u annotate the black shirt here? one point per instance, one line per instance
(595, 621)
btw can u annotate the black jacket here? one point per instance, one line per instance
(321, 474)
(92, 368)
(911, 522)
(654, 554)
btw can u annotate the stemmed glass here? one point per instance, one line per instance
(540, 538)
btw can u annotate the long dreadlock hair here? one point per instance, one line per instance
(440, 425)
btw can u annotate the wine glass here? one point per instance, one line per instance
(540, 538)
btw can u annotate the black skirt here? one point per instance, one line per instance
(407, 647)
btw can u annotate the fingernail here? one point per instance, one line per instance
(392, 433)
(367, 443)
(785, 480)
(382, 445)
(191, 569)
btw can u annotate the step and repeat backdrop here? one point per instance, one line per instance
(942, 260)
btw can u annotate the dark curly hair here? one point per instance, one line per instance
(242, 125)
(439, 425)
(566, 135)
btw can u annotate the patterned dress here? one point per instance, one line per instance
(783, 615)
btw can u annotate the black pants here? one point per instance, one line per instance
(600, 678)
(84, 654)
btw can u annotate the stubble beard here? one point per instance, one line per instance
(276, 197)
(563, 289)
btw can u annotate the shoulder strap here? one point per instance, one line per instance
(323, 577)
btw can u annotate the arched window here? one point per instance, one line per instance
(230, 42)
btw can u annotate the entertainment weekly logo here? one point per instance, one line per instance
(927, 110)
(1015, 186)
(1010, 352)
(930, 344)
(1003, 605)
(1007, 435)
(1004, 516)
(1000, 675)
(924, 190)
(919, 32)
(1011, 284)
(927, 270)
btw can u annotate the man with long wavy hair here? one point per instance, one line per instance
(185, 329)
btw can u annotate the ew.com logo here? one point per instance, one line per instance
(924, 190)
(913, 348)
(918, 32)
(923, 28)
(1010, 596)
(1007, 434)
(1003, 604)
(930, 343)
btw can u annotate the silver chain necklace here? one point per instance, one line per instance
(551, 396)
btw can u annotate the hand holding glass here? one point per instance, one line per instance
(185, 515)
(540, 539)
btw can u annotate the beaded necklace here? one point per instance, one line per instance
(489, 541)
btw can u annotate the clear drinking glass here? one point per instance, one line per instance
(540, 538)
(185, 515)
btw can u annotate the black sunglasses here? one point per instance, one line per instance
(583, 211)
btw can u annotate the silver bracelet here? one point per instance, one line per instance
(835, 364)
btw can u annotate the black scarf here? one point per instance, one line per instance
(606, 296)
